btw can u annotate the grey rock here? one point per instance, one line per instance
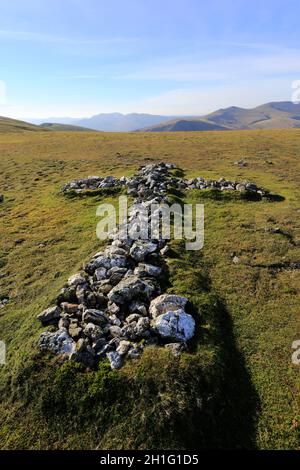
(134, 317)
(100, 273)
(113, 309)
(50, 315)
(115, 331)
(142, 327)
(144, 269)
(57, 343)
(115, 360)
(94, 332)
(76, 280)
(175, 325)
(136, 306)
(123, 347)
(140, 249)
(98, 317)
(166, 302)
(129, 288)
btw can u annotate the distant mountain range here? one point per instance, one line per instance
(111, 122)
(267, 116)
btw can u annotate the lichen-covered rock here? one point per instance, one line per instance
(94, 332)
(166, 302)
(175, 325)
(115, 359)
(58, 343)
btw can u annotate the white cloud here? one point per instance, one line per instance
(48, 38)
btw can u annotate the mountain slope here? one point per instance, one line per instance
(184, 125)
(13, 125)
(267, 116)
(64, 127)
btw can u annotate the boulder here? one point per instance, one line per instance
(50, 315)
(115, 359)
(130, 288)
(94, 332)
(166, 302)
(76, 280)
(58, 343)
(98, 317)
(115, 331)
(142, 327)
(100, 273)
(123, 347)
(175, 325)
(144, 270)
(141, 248)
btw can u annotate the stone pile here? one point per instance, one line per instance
(223, 184)
(115, 307)
(92, 183)
(138, 186)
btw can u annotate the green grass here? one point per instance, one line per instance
(238, 387)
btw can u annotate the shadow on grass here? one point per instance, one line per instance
(103, 192)
(231, 196)
(236, 411)
(228, 418)
(275, 198)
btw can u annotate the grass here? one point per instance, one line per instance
(238, 388)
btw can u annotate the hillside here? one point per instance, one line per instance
(268, 116)
(64, 127)
(236, 387)
(13, 125)
(184, 125)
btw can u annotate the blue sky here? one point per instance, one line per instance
(82, 57)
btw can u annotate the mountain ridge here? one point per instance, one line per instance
(273, 115)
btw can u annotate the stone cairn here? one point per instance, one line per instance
(115, 307)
